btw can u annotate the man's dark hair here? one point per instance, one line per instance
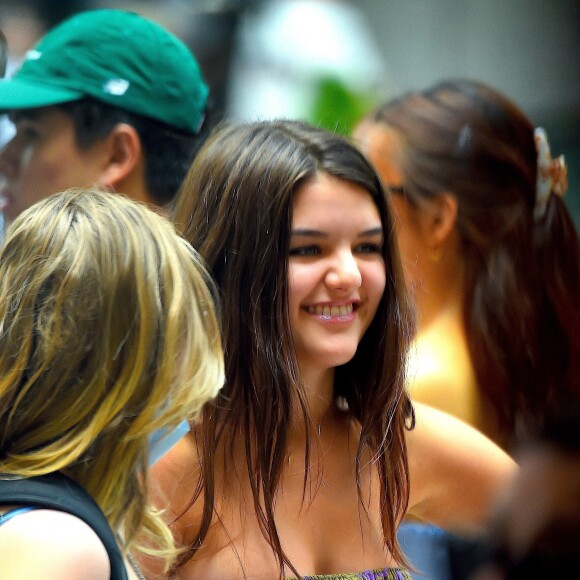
(168, 151)
(3, 54)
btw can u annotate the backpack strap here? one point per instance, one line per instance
(58, 492)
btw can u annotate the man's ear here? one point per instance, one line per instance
(123, 157)
(442, 217)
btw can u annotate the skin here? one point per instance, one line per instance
(43, 158)
(441, 373)
(52, 545)
(335, 263)
(457, 476)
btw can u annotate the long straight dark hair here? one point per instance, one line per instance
(235, 207)
(522, 294)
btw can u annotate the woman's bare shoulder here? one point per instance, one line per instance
(172, 482)
(457, 474)
(174, 478)
(51, 545)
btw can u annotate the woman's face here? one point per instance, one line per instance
(384, 149)
(336, 270)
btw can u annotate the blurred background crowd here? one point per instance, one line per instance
(330, 61)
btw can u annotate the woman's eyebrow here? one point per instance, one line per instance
(378, 231)
(309, 233)
(372, 232)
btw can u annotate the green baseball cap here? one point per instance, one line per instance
(116, 57)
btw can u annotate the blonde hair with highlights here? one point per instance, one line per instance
(108, 332)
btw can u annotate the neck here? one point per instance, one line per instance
(319, 388)
(133, 185)
(441, 291)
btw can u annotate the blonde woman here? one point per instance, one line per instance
(100, 302)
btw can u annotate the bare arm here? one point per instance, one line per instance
(457, 474)
(51, 545)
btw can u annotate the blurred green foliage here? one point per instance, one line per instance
(338, 108)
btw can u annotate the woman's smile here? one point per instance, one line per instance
(344, 312)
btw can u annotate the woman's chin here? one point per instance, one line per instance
(332, 359)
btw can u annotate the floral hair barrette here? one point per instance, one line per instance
(552, 175)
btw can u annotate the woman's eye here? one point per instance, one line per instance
(305, 251)
(368, 249)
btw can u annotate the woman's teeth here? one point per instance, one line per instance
(331, 311)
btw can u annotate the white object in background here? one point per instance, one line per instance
(286, 47)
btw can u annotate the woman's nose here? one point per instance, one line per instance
(344, 273)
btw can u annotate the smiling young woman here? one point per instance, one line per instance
(336, 271)
(308, 460)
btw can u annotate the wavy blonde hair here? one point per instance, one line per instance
(108, 332)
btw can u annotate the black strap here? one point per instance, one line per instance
(58, 492)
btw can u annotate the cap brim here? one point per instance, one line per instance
(23, 94)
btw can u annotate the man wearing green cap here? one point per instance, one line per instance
(106, 97)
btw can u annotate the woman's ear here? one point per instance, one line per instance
(123, 157)
(442, 218)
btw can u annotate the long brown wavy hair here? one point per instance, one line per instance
(521, 305)
(235, 207)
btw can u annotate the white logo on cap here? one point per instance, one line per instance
(33, 54)
(116, 87)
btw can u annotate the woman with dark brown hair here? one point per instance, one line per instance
(308, 460)
(490, 254)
